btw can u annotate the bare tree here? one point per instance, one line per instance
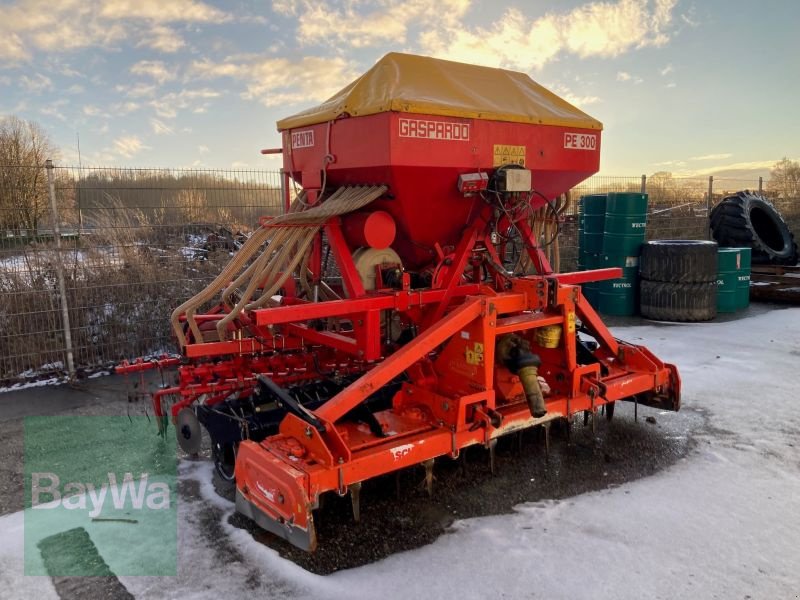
(24, 147)
(785, 178)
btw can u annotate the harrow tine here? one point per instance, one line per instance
(492, 445)
(547, 439)
(355, 498)
(397, 484)
(428, 464)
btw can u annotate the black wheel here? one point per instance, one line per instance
(748, 219)
(679, 261)
(224, 460)
(684, 302)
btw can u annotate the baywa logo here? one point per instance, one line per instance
(47, 493)
(100, 496)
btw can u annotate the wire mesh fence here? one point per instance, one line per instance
(135, 243)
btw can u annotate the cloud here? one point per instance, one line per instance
(623, 76)
(712, 156)
(238, 164)
(160, 128)
(129, 145)
(11, 47)
(37, 84)
(155, 69)
(54, 109)
(90, 110)
(120, 109)
(366, 23)
(203, 149)
(671, 84)
(137, 90)
(30, 26)
(604, 29)
(667, 70)
(196, 100)
(571, 97)
(163, 39)
(756, 165)
(159, 11)
(312, 78)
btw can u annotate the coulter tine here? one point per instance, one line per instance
(355, 498)
(492, 445)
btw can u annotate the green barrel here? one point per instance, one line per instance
(591, 219)
(619, 297)
(733, 279)
(625, 223)
(586, 262)
(743, 283)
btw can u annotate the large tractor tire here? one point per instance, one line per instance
(683, 302)
(679, 261)
(750, 220)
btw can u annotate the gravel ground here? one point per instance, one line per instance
(620, 451)
(396, 513)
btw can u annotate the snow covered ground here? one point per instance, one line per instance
(722, 523)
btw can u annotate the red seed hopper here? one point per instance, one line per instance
(386, 320)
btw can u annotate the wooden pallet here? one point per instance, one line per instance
(775, 283)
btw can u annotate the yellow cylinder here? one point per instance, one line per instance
(549, 337)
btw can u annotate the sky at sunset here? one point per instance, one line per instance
(692, 87)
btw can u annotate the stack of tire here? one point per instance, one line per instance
(745, 219)
(678, 280)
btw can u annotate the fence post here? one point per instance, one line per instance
(284, 192)
(62, 288)
(760, 185)
(644, 184)
(709, 203)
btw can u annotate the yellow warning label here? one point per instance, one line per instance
(475, 355)
(508, 155)
(571, 322)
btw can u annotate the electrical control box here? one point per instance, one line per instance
(470, 183)
(514, 180)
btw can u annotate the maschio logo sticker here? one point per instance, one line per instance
(100, 497)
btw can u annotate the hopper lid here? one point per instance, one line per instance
(431, 86)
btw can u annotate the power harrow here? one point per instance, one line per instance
(384, 320)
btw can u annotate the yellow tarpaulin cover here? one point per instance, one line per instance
(431, 86)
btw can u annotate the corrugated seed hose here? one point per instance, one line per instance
(288, 239)
(544, 223)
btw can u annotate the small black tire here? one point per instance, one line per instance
(224, 455)
(679, 261)
(682, 302)
(750, 220)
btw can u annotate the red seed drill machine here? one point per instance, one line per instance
(380, 323)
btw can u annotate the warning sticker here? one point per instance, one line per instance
(475, 355)
(508, 155)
